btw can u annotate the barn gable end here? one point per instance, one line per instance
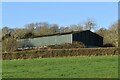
(89, 38)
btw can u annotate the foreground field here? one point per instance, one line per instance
(66, 67)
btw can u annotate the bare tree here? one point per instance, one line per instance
(89, 24)
(54, 28)
(76, 27)
(113, 34)
(110, 35)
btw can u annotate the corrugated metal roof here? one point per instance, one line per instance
(72, 32)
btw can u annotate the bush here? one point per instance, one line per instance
(68, 45)
(108, 45)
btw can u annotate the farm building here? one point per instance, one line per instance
(89, 38)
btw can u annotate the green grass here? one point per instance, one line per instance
(66, 67)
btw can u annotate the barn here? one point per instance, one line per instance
(89, 38)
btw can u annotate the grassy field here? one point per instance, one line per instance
(66, 67)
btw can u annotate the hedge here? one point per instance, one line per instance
(44, 53)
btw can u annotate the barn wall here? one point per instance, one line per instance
(43, 41)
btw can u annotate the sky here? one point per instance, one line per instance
(18, 14)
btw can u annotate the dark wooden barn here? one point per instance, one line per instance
(89, 38)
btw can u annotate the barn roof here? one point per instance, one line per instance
(64, 33)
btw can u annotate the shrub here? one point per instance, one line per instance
(108, 45)
(68, 45)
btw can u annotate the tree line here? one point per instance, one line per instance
(10, 35)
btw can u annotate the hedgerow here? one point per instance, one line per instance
(44, 53)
